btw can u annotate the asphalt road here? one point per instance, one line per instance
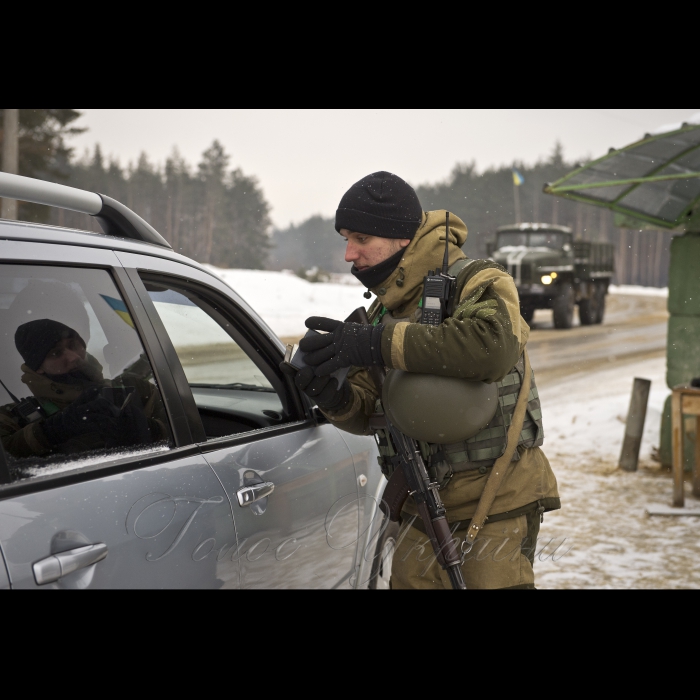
(634, 328)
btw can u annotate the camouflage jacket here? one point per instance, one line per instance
(482, 341)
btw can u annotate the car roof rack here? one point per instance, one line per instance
(114, 218)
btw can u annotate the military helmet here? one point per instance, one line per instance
(438, 409)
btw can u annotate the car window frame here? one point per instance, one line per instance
(255, 336)
(184, 443)
(239, 335)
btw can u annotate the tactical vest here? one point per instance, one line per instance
(481, 451)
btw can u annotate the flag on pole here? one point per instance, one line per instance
(119, 307)
(518, 179)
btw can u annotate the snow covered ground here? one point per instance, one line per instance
(285, 301)
(604, 537)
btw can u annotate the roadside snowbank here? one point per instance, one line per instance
(636, 290)
(285, 301)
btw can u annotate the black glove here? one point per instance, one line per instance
(89, 413)
(323, 390)
(345, 345)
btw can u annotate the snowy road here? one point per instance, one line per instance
(634, 327)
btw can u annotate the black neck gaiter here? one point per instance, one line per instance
(375, 275)
(74, 377)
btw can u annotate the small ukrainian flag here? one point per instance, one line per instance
(518, 179)
(119, 307)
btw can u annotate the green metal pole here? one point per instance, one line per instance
(683, 343)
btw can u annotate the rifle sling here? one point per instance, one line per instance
(498, 471)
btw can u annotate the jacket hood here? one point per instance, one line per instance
(59, 393)
(403, 288)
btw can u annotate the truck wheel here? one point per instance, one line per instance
(588, 309)
(563, 307)
(601, 293)
(527, 312)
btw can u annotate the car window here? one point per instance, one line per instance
(235, 390)
(77, 385)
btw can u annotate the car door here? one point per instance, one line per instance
(291, 480)
(128, 512)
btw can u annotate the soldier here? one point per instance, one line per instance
(76, 413)
(392, 244)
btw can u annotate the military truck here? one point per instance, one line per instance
(553, 271)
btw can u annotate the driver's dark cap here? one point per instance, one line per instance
(34, 340)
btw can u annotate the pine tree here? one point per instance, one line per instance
(244, 241)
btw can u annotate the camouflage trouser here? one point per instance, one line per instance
(502, 557)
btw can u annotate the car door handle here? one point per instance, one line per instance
(250, 494)
(63, 563)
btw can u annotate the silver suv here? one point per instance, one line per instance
(149, 439)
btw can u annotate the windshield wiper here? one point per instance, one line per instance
(235, 385)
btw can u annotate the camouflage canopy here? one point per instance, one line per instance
(654, 182)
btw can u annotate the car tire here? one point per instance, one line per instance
(380, 576)
(563, 306)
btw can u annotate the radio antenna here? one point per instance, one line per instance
(12, 396)
(446, 259)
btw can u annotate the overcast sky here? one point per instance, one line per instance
(306, 159)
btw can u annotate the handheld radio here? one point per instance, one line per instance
(27, 410)
(437, 287)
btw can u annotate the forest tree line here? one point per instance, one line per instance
(217, 214)
(212, 212)
(485, 200)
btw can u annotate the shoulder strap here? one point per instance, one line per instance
(459, 271)
(374, 310)
(457, 267)
(498, 471)
(465, 269)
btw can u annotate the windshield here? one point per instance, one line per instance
(539, 239)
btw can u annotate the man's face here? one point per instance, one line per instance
(367, 251)
(66, 356)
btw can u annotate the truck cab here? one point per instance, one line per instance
(553, 271)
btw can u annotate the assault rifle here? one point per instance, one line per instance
(411, 478)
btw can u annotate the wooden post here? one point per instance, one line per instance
(677, 435)
(634, 428)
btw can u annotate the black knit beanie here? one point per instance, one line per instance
(380, 204)
(34, 340)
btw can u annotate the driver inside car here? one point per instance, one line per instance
(78, 409)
